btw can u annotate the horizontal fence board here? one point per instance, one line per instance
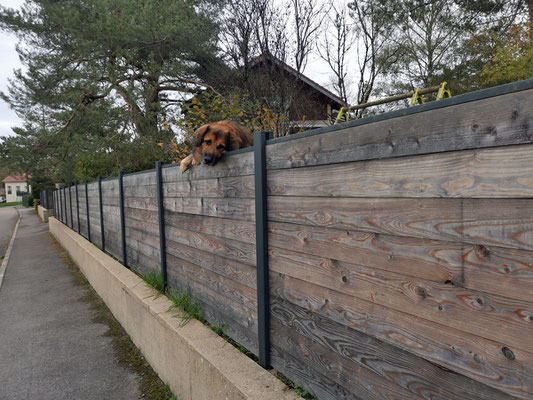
(500, 222)
(231, 269)
(239, 186)
(243, 231)
(229, 165)
(140, 263)
(496, 121)
(235, 208)
(216, 313)
(477, 358)
(353, 355)
(478, 313)
(238, 251)
(498, 270)
(339, 372)
(489, 173)
(138, 179)
(243, 314)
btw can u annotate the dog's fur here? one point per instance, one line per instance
(211, 141)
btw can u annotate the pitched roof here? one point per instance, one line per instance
(267, 56)
(16, 178)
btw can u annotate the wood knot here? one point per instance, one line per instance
(508, 353)
(480, 249)
(440, 308)
(344, 278)
(514, 114)
(420, 291)
(475, 126)
(479, 301)
(448, 282)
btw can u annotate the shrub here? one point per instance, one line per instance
(27, 200)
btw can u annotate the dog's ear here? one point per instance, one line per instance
(235, 141)
(239, 137)
(199, 135)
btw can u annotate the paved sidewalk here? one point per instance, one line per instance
(49, 346)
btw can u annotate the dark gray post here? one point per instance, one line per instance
(78, 207)
(87, 209)
(161, 215)
(122, 217)
(101, 213)
(70, 203)
(65, 218)
(261, 243)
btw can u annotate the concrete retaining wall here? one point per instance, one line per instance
(45, 213)
(194, 361)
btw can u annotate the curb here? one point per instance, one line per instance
(3, 267)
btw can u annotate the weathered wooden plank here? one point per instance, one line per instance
(234, 316)
(489, 173)
(140, 263)
(234, 208)
(311, 380)
(498, 270)
(478, 313)
(243, 231)
(499, 222)
(229, 165)
(213, 315)
(497, 121)
(230, 289)
(239, 186)
(148, 216)
(238, 251)
(348, 356)
(138, 179)
(231, 269)
(472, 356)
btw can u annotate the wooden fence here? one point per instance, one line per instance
(400, 248)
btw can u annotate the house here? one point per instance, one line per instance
(16, 186)
(310, 105)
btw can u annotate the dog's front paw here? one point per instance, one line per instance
(186, 163)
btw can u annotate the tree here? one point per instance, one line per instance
(114, 63)
(337, 40)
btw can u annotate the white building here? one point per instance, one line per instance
(16, 185)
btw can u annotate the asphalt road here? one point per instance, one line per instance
(8, 218)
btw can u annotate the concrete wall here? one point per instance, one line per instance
(44, 213)
(194, 361)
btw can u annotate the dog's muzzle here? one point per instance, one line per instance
(209, 159)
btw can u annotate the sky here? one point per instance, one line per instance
(8, 62)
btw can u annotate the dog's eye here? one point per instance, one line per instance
(221, 147)
(208, 142)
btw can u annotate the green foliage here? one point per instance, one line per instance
(155, 281)
(27, 200)
(13, 203)
(183, 301)
(96, 81)
(512, 59)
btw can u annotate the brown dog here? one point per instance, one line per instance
(213, 140)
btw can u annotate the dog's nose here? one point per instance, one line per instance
(208, 159)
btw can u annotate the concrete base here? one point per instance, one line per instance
(195, 362)
(45, 213)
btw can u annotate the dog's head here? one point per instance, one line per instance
(213, 140)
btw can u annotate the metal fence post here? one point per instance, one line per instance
(65, 220)
(78, 207)
(261, 243)
(87, 209)
(122, 217)
(101, 213)
(161, 215)
(70, 206)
